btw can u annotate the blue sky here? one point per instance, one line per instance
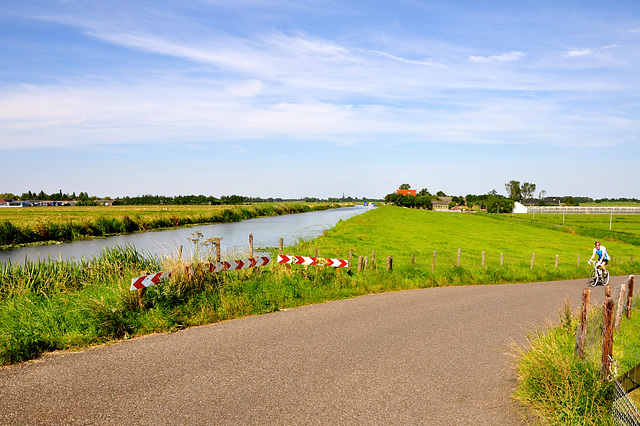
(285, 98)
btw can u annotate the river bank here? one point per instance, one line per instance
(50, 225)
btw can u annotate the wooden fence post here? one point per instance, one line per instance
(250, 245)
(483, 258)
(216, 242)
(607, 338)
(350, 259)
(413, 260)
(373, 260)
(578, 261)
(360, 262)
(501, 259)
(281, 245)
(433, 266)
(607, 291)
(581, 334)
(621, 306)
(630, 296)
(366, 263)
(556, 261)
(458, 261)
(533, 256)
(389, 263)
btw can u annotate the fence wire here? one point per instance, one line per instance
(625, 413)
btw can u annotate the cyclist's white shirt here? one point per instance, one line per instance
(602, 253)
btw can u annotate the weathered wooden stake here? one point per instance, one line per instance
(216, 242)
(533, 256)
(366, 263)
(621, 306)
(556, 261)
(630, 296)
(350, 260)
(501, 259)
(607, 338)
(360, 263)
(458, 261)
(389, 263)
(373, 260)
(483, 259)
(413, 260)
(281, 245)
(250, 245)
(581, 334)
(607, 291)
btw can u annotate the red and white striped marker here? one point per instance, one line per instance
(232, 265)
(312, 261)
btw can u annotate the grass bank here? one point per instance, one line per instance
(29, 225)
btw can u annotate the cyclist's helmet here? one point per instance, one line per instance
(597, 242)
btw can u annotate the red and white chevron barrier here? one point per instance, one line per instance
(312, 261)
(232, 265)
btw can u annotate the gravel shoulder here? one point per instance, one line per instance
(429, 356)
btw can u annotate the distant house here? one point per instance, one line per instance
(519, 207)
(407, 192)
(442, 204)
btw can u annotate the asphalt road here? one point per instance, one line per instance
(438, 356)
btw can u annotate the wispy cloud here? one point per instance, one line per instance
(505, 57)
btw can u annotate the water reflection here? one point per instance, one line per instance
(266, 231)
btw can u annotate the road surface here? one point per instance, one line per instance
(436, 356)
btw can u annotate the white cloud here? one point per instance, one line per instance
(574, 53)
(505, 57)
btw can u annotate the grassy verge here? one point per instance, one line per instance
(20, 226)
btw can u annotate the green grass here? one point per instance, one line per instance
(559, 387)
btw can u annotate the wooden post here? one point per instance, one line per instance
(556, 261)
(483, 258)
(501, 259)
(533, 256)
(607, 338)
(366, 263)
(389, 263)
(581, 334)
(281, 245)
(350, 259)
(458, 261)
(360, 261)
(373, 260)
(433, 266)
(621, 306)
(142, 291)
(630, 296)
(217, 244)
(578, 261)
(316, 252)
(413, 260)
(250, 245)
(607, 291)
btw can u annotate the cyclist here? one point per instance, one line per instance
(603, 256)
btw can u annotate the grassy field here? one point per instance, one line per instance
(48, 306)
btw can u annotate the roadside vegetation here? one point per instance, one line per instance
(54, 305)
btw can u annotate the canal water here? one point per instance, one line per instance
(266, 232)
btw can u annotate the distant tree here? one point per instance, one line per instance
(405, 186)
(513, 190)
(570, 201)
(528, 189)
(441, 194)
(423, 191)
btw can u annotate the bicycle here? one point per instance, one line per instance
(597, 275)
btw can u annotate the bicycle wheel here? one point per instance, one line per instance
(593, 278)
(605, 277)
